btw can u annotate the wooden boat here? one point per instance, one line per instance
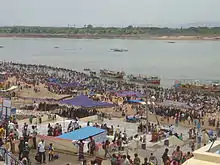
(93, 74)
(152, 80)
(86, 69)
(111, 74)
(119, 50)
(197, 85)
(139, 79)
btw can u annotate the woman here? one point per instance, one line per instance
(81, 149)
(165, 157)
(177, 155)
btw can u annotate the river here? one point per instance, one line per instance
(181, 60)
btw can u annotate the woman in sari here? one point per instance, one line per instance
(81, 149)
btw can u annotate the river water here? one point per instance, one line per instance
(181, 60)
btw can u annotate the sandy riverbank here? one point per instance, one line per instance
(97, 36)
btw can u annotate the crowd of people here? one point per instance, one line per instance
(194, 108)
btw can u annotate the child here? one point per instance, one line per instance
(51, 152)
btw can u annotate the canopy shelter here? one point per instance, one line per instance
(128, 93)
(53, 80)
(82, 133)
(12, 88)
(137, 101)
(84, 101)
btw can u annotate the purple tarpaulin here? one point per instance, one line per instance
(84, 101)
(128, 93)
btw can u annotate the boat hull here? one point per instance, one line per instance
(110, 74)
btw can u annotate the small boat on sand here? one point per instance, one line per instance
(112, 74)
(119, 50)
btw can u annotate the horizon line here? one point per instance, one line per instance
(95, 26)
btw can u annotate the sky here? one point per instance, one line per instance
(169, 13)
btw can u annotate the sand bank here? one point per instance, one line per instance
(106, 36)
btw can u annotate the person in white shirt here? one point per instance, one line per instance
(41, 151)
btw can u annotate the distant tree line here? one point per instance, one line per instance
(129, 30)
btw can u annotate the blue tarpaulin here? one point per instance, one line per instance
(137, 101)
(82, 133)
(84, 101)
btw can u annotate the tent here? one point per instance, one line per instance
(9, 89)
(84, 101)
(137, 101)
(84, 133)
(128, 93)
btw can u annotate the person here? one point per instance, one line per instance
(113, 159)
(51, 152)
(153, 159)
(91, 146)
(177, 155)
(34, 134)
(24, 161)
(106, 147)
(129, 159)
(165, 157)
(137, 160)
(81, 150)
(125, 161)
(41, 151)
(26, 150)
(146, 161)
(21, 148)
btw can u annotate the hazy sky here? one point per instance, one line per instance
(108, 12)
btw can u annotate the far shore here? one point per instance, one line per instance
(90, 36)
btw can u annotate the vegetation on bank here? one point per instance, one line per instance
(130, 30)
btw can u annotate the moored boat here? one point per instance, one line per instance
(152, 80)
(86, 69)
(197, 85)
(119, 50)
(112, 74)
(139, 79)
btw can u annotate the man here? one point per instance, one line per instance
(26, 151)
(41, 151)
(177, 155)
(92, 146)
(137, 160)
(153, 159)
(21, 147)
(125, 161)
(34, 134)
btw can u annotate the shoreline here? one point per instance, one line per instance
(88, 36)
